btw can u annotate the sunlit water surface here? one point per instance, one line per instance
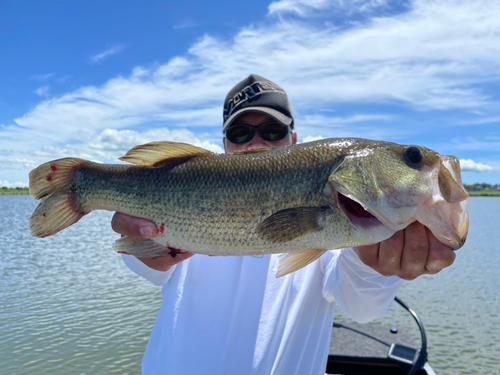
(68, 305)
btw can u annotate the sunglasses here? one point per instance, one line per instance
(269, 131)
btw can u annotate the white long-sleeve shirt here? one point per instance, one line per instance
(231, 315)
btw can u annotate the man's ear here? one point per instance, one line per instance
(294, 138)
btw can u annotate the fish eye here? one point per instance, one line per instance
(413, 156)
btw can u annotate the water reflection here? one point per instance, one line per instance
(69, 305)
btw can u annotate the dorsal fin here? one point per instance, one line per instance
(156, 154)
(246, 152)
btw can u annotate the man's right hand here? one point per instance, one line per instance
(141, 228)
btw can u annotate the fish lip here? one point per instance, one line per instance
(346, 205)
(459, 244)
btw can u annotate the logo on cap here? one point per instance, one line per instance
(250, 92)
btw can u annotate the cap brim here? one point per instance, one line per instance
(268, 111)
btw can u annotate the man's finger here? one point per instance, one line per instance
(389, 256)
(440, 256)
(133, 227)
(415, 252)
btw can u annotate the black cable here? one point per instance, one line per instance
(422, 357)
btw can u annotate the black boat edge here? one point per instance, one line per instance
(364, 349)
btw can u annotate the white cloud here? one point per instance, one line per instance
(12, 185)
(13, 162)
(109, 52)
(469, 165)
(105, 147)
(42, 91)
(436, 55)
(111, 144)
(299, 7)
(311, 138)
(305, 7)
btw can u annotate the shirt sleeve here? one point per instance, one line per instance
(361, 292)
(156, 277)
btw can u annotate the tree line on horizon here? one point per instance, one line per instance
(17, 190)
(478, 186)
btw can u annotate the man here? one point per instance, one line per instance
(230, 315)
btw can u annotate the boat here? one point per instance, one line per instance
(375, 349)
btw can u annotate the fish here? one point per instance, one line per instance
(298, 200)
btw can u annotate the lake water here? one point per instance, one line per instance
(68, 305)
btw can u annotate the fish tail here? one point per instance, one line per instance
(51, 183)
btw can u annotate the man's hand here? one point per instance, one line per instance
(141, 228)
(410, 253)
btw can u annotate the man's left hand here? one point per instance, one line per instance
(409, 253)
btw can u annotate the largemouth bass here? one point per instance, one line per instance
(301, 200)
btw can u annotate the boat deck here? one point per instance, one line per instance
(363, 348)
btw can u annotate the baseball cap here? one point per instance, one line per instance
(257, 94)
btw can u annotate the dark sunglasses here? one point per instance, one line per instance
(269, 131)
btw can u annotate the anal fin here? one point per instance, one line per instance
(294, 261)
(140, 248)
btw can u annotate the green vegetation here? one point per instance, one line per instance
(483, 190)
(14, 191)
(485, 193)
(481, 186)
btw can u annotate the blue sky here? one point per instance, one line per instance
(92, 79)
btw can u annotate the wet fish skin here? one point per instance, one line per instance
(209, 204)
(283, 200)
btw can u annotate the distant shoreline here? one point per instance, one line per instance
(484, 193)
(14, 191)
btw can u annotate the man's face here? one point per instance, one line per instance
(255, 119)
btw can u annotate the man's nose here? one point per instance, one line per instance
(256, 142)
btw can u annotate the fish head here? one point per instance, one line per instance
(400, 184)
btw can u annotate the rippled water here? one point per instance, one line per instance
(69, 305)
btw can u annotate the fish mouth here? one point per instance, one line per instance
(356, 213)
(446, 213)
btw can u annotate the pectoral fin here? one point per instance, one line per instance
(288, 224)
(292, 262)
